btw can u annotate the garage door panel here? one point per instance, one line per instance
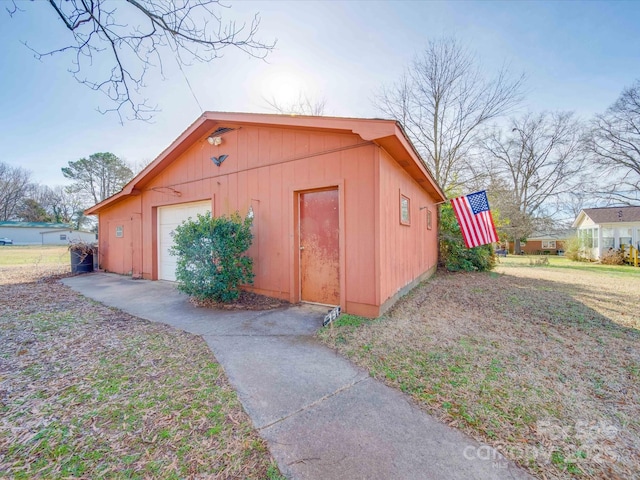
(169, 218)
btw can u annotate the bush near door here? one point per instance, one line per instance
(211, 256)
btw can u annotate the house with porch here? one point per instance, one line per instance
(602, 229)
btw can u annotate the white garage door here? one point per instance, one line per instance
(168, 219)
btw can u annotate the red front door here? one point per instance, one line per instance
(320, 247)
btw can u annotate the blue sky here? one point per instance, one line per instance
(577, 56)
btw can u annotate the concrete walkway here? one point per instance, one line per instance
(322, 417)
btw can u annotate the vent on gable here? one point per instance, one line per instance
(222, 130)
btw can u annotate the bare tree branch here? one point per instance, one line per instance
(15, 186)
(302, 106)
(115, 43)
(13, 8)
(614, 144)
(442, 100)
(535, 163)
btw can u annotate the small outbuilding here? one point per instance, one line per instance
(44, 233)
(344, 210)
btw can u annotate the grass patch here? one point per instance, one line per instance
(34, 254)
(21, 264)
(347, 320)
(88, 391)
(538, 360)
(556, 262)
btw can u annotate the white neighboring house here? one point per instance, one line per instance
(600, 229)
(43, 233)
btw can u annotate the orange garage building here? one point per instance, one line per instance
(344, 209)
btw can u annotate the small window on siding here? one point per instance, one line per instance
(63, 236)
(405, 210)
(429, 221)
(119, 231)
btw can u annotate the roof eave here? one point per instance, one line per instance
(579, 219)
(167, 154)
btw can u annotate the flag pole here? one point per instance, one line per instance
(439, 203)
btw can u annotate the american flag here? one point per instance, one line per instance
(474, 217)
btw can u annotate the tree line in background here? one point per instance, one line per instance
(539, 168)
(93, 179)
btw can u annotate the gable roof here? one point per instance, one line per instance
(387, 134)
(609, 215)
(10, 223)
(552, 235)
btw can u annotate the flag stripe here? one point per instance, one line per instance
(491, 227)
(477, 229)
(463, 213)
(470, 232)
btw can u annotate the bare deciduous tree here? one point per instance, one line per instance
(614, 143)
(130, 37)
(537, 161)
(15, 186)
(61, 204)
(442, 100)
(304, 105)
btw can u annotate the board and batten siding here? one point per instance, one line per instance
(264, 169)
(407, 252)
(121, 254)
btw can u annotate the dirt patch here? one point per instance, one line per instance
(246, 301)
(541, 362)
(89, 391)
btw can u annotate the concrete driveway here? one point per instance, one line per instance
(322, 417)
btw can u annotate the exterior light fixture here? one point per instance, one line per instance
(214, 140)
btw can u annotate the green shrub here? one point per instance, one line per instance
(454, 256)
(211, 263)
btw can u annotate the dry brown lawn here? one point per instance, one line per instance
(89, 391)
(541, 362)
